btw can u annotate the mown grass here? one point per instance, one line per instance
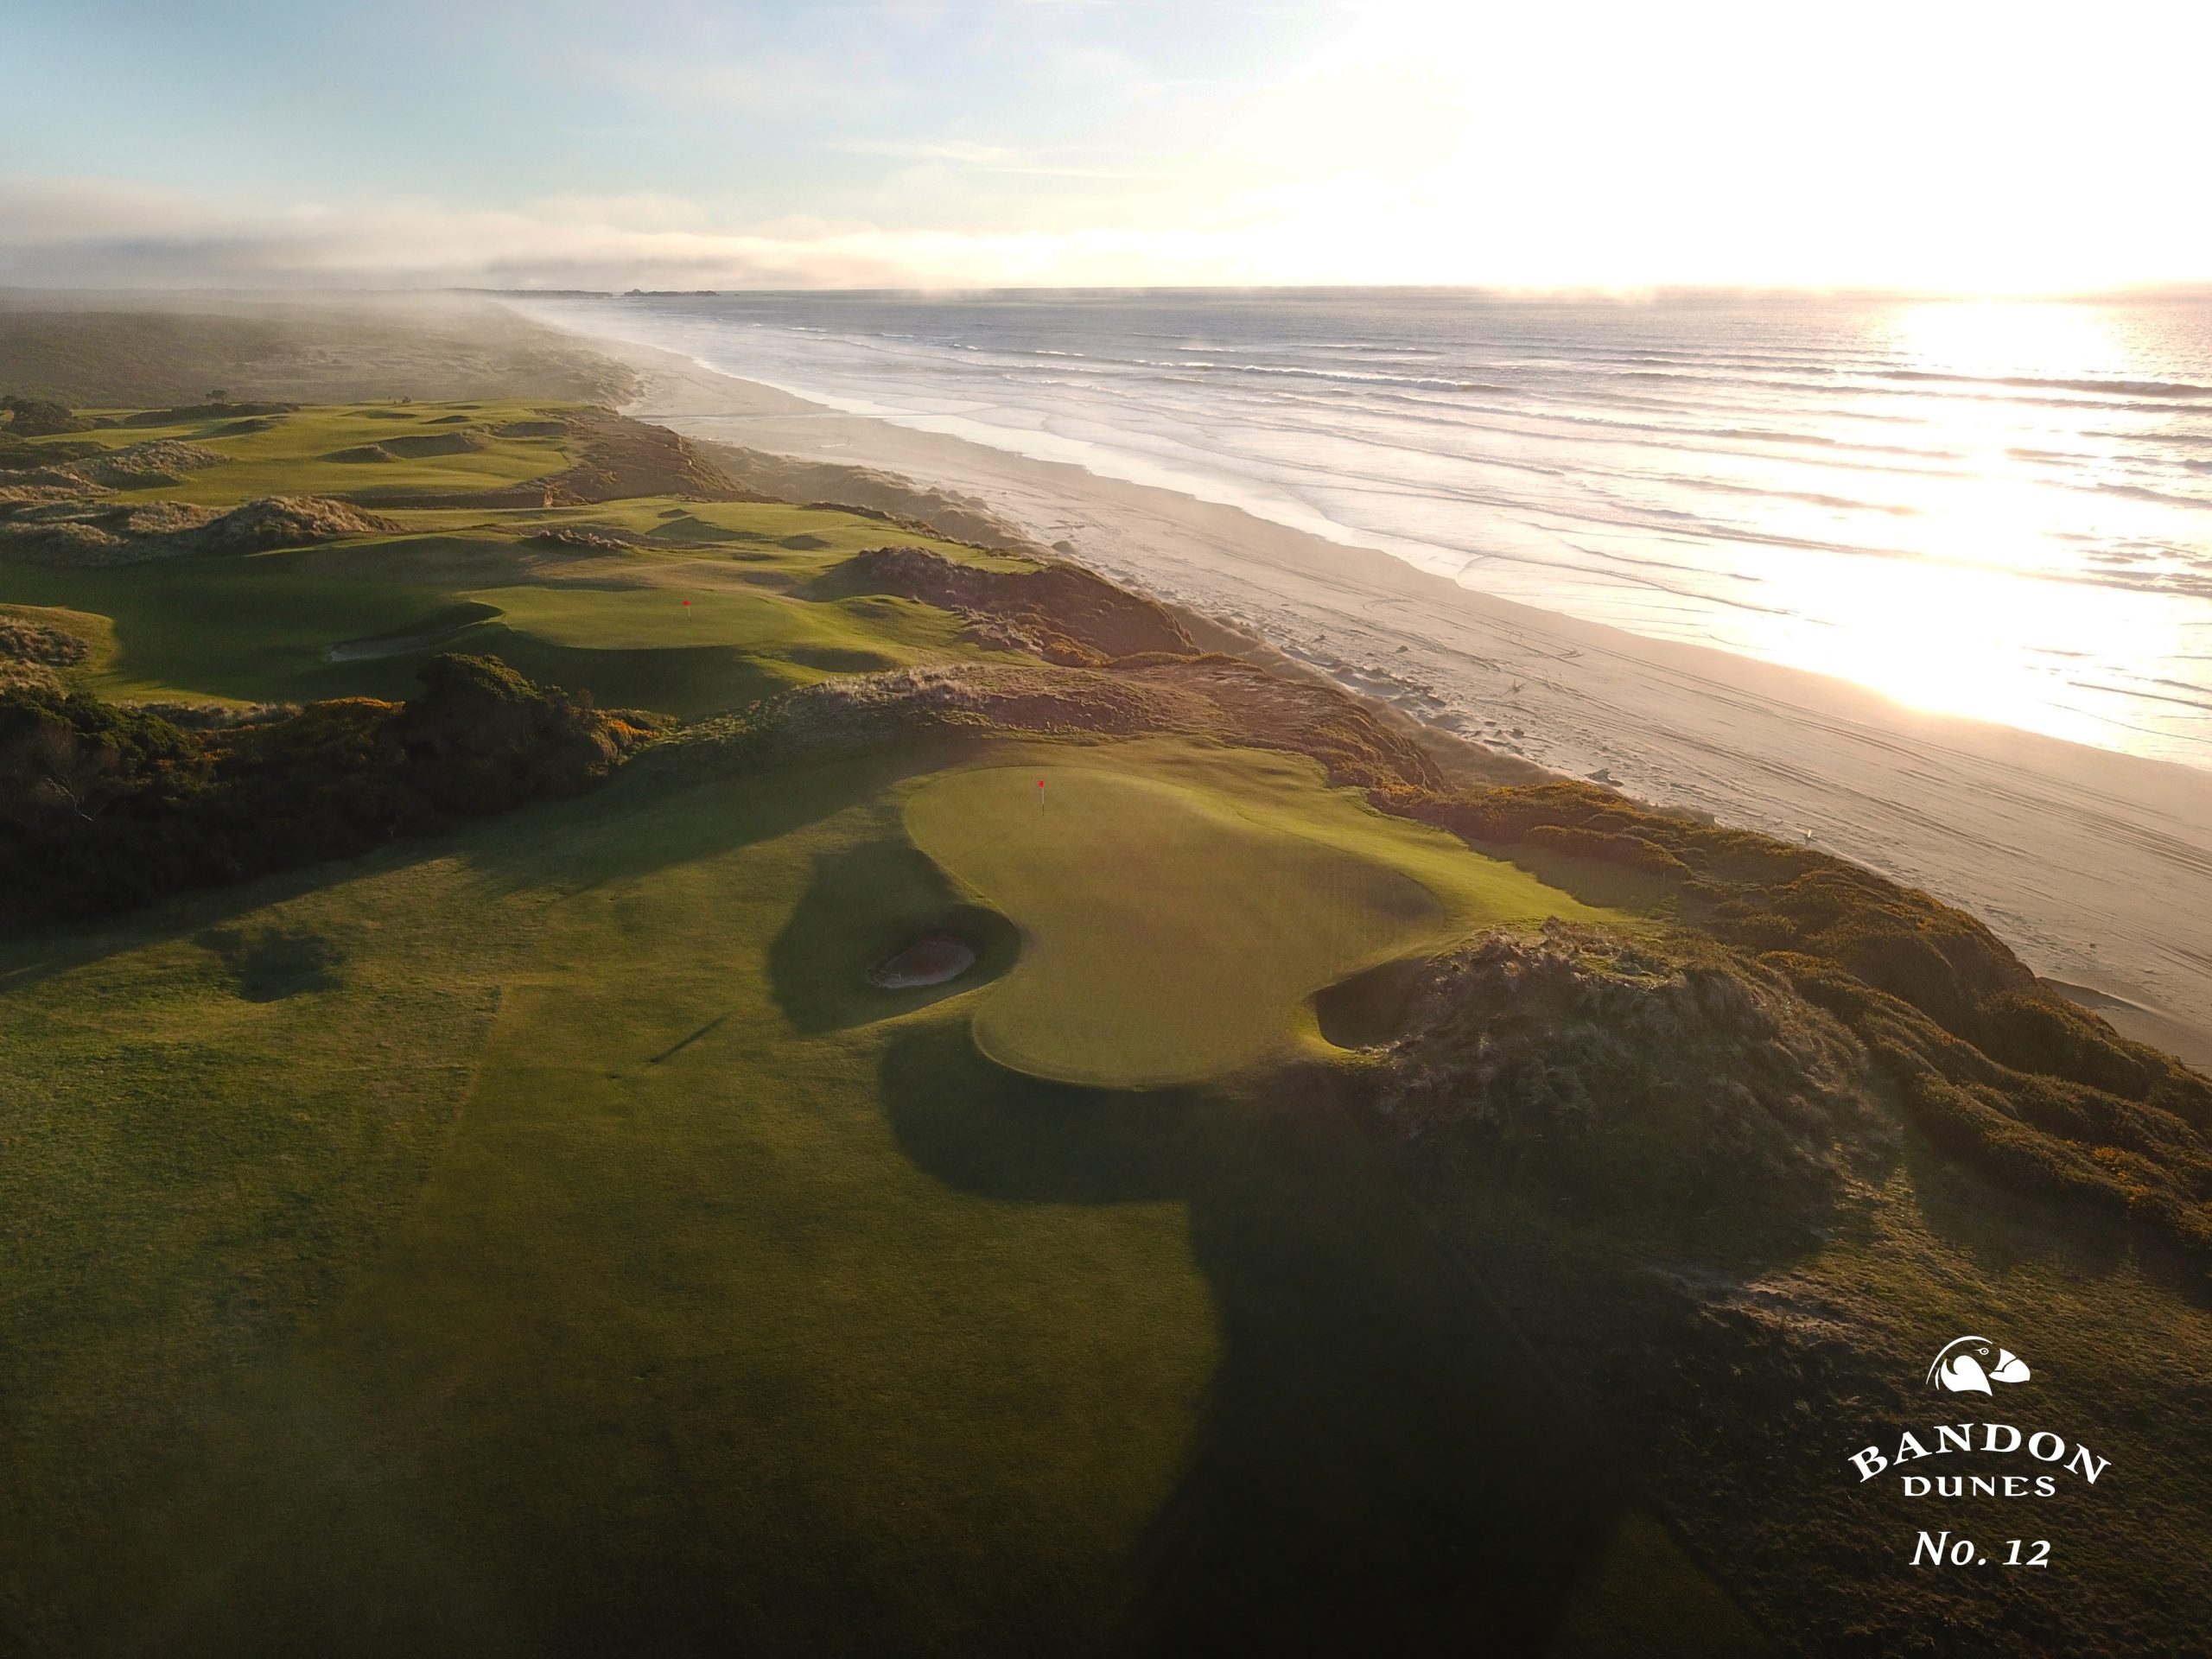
(264, 627)
(514, 1251)
(295, 452)
(545, 1239)
(1176, 929)
(610, 620)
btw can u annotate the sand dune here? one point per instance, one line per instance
(2096, 867)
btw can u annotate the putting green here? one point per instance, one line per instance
(871, 632)
(1174, 931)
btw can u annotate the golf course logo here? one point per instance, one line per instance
(1990, 1459)
(1970, 1364)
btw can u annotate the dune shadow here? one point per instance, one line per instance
(620, 830)
(222, 921)
(1381, 1464)
(864, 905)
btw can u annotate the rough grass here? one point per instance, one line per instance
(1993, 1065)
(1738, 1383)
(52, 645)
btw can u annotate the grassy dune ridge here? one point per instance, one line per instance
(543, 1238)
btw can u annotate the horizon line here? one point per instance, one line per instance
(2144, 293)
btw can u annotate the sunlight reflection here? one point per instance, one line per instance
(1995, 340)
(2022, 651)
(1970, 621)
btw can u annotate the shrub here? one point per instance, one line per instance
(36, 417)
(102, 808)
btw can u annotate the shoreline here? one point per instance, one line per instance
(2088, 862)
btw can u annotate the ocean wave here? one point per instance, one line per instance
(2139, 493)
(2200, 702)
(1376, 349)
(2035, 382)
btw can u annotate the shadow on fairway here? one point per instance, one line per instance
(864, 905)
(1379, 1465)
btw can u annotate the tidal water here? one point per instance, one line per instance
(2003, 511)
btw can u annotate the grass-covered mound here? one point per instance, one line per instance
(2034, 1089)
(101, 532)
(39, 645)
(1057, 611)
(1673, 1087)
(102, 807)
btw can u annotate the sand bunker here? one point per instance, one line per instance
(931, 960)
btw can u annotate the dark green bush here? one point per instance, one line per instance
(102, 808)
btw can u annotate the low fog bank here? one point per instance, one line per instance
(93, 349)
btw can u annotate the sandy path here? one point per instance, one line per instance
(2096, 868)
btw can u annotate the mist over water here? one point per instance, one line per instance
(1996, 510)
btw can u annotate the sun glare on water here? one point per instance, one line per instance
(1994, 340)
(1985, 609)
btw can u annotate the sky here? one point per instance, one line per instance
(660, 144)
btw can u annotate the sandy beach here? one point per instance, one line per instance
(2096, 867)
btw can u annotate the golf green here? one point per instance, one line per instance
(1173, 931)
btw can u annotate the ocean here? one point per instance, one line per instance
(1998, 510)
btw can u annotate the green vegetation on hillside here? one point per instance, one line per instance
(1995, 1067)
(682, 605)
(104, 808)
(1336, 1212)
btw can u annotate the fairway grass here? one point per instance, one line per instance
(555, 1244)
(358, 618)
(544, 1239)
(293, 454)
(1174, 930)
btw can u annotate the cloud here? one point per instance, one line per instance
(986, 158)
(99, 233)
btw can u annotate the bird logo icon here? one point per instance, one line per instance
(1970, 1364)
